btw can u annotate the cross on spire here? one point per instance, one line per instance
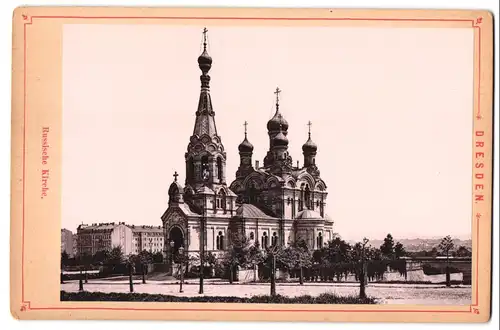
(309, 124)
(175, 176)
(245, 124)
(277, 92)
(205, 38)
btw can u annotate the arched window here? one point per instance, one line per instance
(274, 239)
(222, 198)
(190, 169)
(307, 197)
(220, 241)
(219, 169)
(205, 168)
(252, 235)
(264, 240)
(319, 240)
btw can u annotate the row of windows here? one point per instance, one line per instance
(219, 241)
(274, 239)
(136, 251)
(151, 244)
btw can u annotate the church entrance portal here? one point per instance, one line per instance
(177, 237)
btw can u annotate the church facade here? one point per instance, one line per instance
(273, 204)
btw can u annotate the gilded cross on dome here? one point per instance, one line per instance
(309, 124)
(175, 176)
(245, 124)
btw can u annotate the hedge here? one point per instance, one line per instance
(325, 298)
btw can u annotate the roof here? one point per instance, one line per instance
(205, 191)
(146, 228)
(101, 226)
(251, 211)
(309, 214)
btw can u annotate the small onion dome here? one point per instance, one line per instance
(245, 146)
(277, 123)
(280, 139)
(309, 146)
(205, 61)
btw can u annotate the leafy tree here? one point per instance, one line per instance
(210, 259)
(158, 258)
(85, 260)
(462, 251)
(399, 250)
(337, 257)
(286, 258)
(387, 248)
(237, 254)
(145, 257)
(116, 256)
(302, 257)
(445, 247)
(64, 259)
(101, 257)
(255, 254)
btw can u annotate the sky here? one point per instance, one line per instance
(391, 112)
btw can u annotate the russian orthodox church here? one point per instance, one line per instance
(273, 204)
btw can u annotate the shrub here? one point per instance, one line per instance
(325, 298)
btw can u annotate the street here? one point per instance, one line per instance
(386, 293)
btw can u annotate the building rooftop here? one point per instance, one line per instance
(308, 214)
(252, 212)
(100, 226)
(145, 228)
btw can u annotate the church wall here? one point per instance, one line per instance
(194, 238)
(210, 238)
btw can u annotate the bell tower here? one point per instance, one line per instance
(205, 156)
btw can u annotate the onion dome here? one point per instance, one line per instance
(280, 139)
(245, 146)
(205, 61)
(309, 146)
(277, 122)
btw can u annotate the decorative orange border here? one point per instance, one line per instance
(474, 23)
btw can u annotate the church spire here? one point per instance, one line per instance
(205, 122)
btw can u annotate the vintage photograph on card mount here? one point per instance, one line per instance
(258, 161)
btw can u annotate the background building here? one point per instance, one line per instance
(67, 242)
(104, 236)
(149, 238)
